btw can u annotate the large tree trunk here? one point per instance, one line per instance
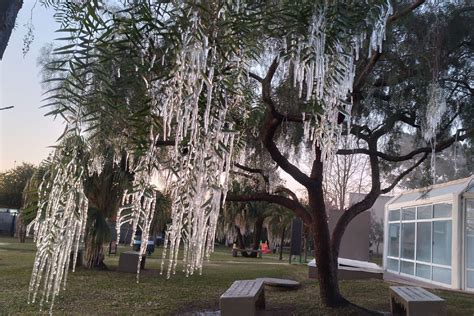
(282, 240)
(326, 258)
(20, 228)
(104, 192)
(8, 13)
(94, 257)
(97, 233)
(258, 229)
(241, 242)
(326, 261)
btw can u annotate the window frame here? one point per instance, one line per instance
(415, 261)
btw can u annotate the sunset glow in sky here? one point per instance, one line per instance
(25, 133)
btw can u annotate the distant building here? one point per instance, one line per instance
(377, 211)
(355, 242)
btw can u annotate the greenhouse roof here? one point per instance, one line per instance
(452, 187)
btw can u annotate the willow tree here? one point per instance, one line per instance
(176, 84)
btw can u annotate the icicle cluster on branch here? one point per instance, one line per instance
(59, 225)
(201, 158)
(328, 73)
(138, 205)
(192, 103)
(435, 109)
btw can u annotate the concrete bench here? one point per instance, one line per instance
(235, 250)
(243, 297)
(128, 261)
(413, 301)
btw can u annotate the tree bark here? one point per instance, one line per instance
(326, 259)
(20, 228)
(94, 257)
(282, 240)
(8, 13)
(241, 242)
(258, 229)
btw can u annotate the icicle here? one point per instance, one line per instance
(434, 112)
(58, 227)
(329, 77)
(435, 109)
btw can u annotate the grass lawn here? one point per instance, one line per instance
(110, 292)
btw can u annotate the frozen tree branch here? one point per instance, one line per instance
(272, 122)
(359, 82)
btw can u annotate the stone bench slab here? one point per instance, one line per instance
(415, 301)
(128, 261)
(243, 297)
(283, 283)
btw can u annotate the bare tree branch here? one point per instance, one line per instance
(282, 189)
(457, 137)
(254, 170)
(272, 122)
(256, 77)
(358, 83)
(405, 11)
(403, 174)
(290, 204)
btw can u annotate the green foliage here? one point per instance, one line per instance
(427, 46)
(12, 184)
(30, 193)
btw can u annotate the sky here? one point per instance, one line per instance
(25, 133)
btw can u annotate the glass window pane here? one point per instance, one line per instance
(406, 267)
(392, 264)
(408, 213)
(470, 234)
(423, 271)
(442, 242)
(442, 275)
(442, 210)
(394, 215)
(393, 239)
(424, 212)
(423, 241)
(408, 241)
(470, 279)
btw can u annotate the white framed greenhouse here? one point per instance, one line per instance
(429, 235)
